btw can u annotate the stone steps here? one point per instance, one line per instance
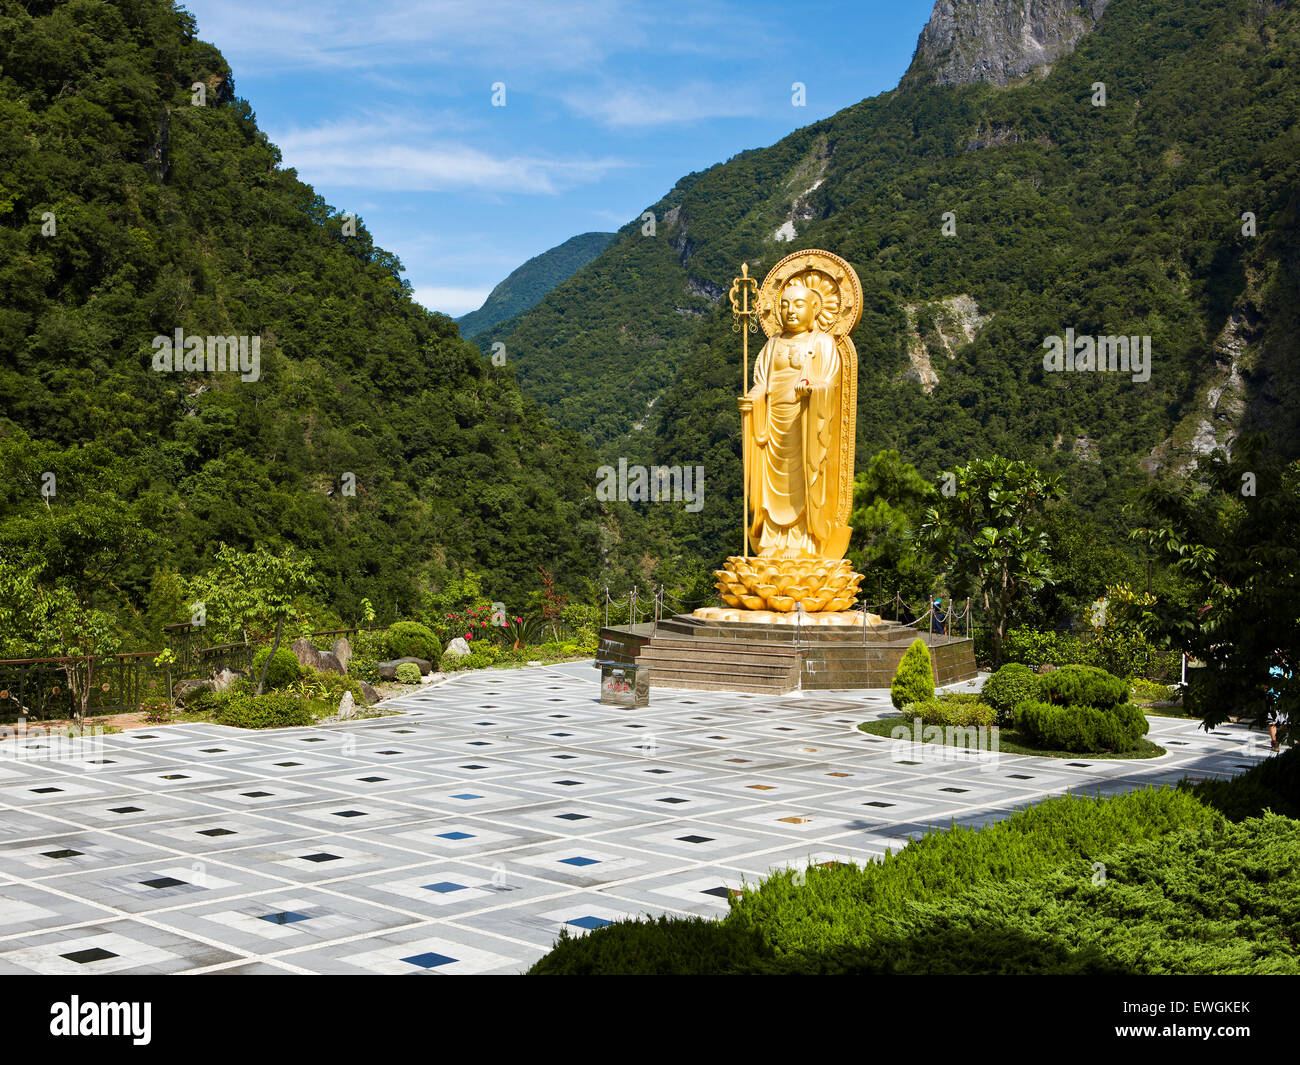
(678, 660)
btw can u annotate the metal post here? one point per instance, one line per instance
(607, 606)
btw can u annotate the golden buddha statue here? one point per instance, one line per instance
(798, 424)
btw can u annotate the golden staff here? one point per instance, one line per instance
(744, 321)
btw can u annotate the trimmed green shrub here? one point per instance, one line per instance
(243, 710)
(408, 673)
(283, 671)
(963, 713)
(1082, 686)
(1010, 685)
(1085, 729)
(1274, 785)
(410, 639)
(914, 681)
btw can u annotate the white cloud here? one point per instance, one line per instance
(449, 300)
(641, 106)
(513, 36)
(408, 156)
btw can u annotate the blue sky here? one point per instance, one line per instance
(386, 108)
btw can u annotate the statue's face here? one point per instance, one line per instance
(798, 309)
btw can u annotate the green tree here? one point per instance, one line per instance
(988, 528)
(1236, 542)
(255, 593)
(889, 501)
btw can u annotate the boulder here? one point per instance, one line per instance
(388, 670)
(310, 658)
(370, 692)
(342, 651)
(458, 648)
(347, 706)
(224, 679)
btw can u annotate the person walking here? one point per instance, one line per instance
(1277, 716)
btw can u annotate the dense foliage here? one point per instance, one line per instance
(373, 438)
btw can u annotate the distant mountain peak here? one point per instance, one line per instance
(527, 285)
(998, 41)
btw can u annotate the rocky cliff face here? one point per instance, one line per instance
(998, 41)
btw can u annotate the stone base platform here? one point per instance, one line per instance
(708, 654)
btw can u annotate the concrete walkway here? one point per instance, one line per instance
(462, 835)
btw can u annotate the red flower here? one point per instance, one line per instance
(469, 636)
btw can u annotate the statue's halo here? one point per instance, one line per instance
(823, 273)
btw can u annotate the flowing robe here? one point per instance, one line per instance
(792, 448)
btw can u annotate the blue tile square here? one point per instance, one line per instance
(444, 887)
(580, 861)
(429, 960)
(590, 922)
(466, 795)
(455, 835)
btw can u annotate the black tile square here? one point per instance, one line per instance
(349, 813)
(321, 857)
(81, 957)
(695, 839)
(216, 832)
(62, 854)
(125, 810)
(159, 883)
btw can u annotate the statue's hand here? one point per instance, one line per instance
(803, 389)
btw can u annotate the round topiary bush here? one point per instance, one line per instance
(914, 681)
(283, 671)
(408, 673)
(1083, 686)
(1083, 729)
(410, 639)
(1012, 684)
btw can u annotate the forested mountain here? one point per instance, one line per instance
(526, 286)
(370, 437)
(1161, 202)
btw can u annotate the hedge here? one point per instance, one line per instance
(1085, 729)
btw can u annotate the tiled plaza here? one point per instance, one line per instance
(462, 835)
